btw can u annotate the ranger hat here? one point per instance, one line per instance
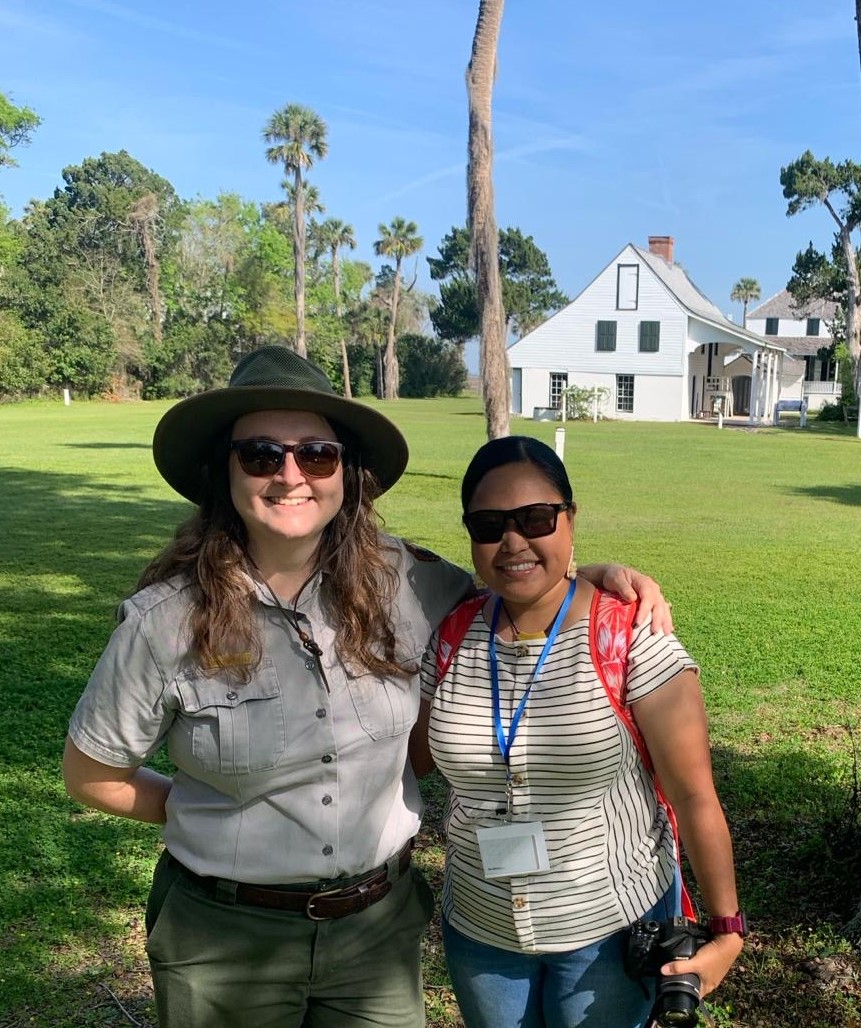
(271, 378)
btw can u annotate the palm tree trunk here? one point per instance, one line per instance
(484, 236)
(299, 262)
(336, 286)
(392, 372)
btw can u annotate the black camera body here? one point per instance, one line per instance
(651, 944)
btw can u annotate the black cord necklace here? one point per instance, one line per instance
(290, 617)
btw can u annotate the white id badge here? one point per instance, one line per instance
(513, 848)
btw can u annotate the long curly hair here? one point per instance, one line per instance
(210, 550)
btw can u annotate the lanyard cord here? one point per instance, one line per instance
(506, 742)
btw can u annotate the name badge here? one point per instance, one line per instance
(513, 848)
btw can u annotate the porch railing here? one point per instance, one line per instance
(821, 388)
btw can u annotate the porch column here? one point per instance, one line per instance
(754, 389)
(769, 386)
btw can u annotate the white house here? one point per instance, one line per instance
(809, 370)
(642, 330)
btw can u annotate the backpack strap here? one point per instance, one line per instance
(453, 628)
(611, 628)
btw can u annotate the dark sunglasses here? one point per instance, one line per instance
(263, 457)
(532, 521)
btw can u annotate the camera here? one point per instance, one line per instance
(651, 944)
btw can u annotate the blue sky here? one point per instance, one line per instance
(612, 122)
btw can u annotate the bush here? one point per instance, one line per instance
(430, 367)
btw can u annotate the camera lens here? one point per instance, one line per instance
(677, 1000)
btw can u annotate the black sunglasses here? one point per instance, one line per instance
(263, 457)
(532, 521)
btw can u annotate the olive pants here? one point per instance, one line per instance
(216, 965)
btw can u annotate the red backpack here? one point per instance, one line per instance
(611, 626)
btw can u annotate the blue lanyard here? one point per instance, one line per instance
(506, 742)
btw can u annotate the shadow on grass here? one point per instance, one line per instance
(71, 548)
(108, 446)
(796, 836)
(845, 494)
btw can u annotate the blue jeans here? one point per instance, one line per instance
(586, 988)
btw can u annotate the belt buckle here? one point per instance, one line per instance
(309, 913)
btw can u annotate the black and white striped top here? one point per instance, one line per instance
(575, 769)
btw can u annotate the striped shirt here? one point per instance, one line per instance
(575, 768)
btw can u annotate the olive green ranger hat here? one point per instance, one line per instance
(271, 378)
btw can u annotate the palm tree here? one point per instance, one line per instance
(481, 220)
(398, 240)
(333, 235)
(745, 290)
(298, 137)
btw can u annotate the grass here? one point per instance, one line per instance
(754, 536)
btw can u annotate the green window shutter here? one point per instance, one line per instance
(605, 338)
(650, 336)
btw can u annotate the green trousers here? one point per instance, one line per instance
(216, 965)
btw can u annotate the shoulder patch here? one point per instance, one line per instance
(420, 553)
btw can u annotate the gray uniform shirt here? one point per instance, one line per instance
(300, 774)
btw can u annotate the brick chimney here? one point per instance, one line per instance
(662, 246)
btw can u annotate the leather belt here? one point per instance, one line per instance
(325, 903)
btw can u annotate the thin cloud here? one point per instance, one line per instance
(170, 28)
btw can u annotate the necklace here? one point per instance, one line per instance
(523, 636)
(289, 616)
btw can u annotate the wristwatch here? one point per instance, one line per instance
(727, 925)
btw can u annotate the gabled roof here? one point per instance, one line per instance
(803, 346)
(782, 305)
(693, 300)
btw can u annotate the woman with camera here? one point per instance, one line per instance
(544, 711)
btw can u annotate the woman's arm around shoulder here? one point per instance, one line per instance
(673, 722)
(632, 585)
(134, 792)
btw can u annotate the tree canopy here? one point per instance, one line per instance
(529, 291)
(17, 125)
(808, 182)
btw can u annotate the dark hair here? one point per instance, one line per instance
(515, 449)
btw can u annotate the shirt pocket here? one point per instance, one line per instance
(386, 707)
(236, 728)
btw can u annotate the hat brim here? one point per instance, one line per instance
(186, 433)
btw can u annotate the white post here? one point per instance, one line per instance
(754, 390)
(560, 443)
(595, 405)
(720, 416)
(771, 398)
(67, 397)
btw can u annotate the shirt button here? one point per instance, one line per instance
(231, 696)
(327, 800)
(320, 712)
(328, 851)
(519, 902)
(310, 664)
(327, 758)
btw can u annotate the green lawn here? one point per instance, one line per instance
(754, 535)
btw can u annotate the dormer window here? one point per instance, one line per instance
(812, 327)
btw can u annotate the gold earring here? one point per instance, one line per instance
(572, 565)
